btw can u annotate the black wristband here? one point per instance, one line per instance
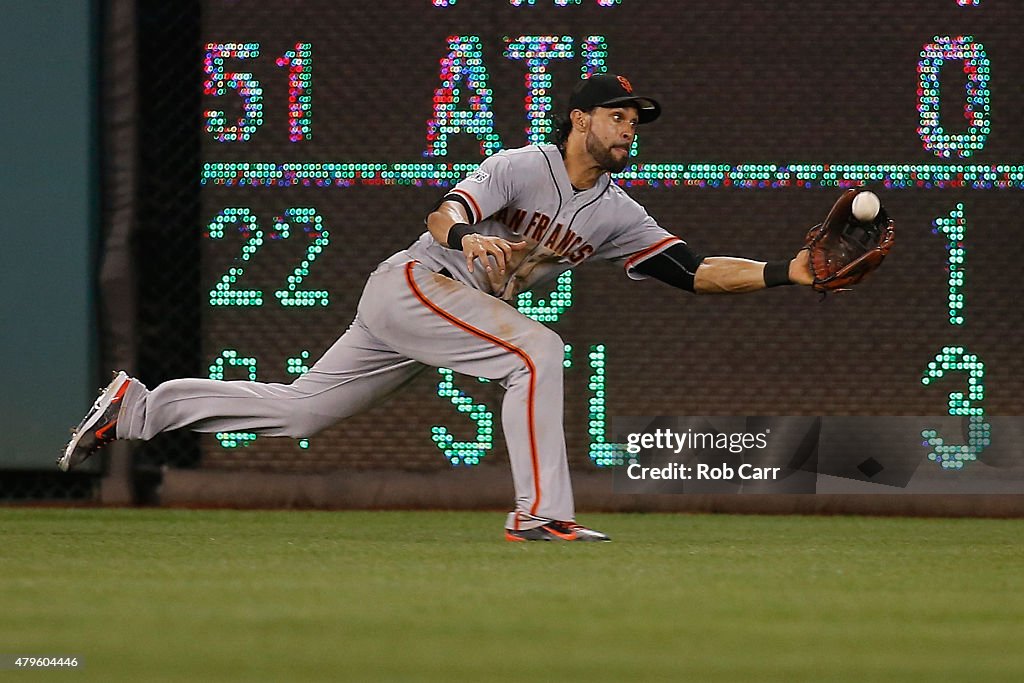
(456, 234)
(776, 273)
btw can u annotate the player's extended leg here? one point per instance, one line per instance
(357, 372)
(441, 322)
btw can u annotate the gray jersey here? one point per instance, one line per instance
(525, 195)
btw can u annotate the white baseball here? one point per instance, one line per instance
(866, 206)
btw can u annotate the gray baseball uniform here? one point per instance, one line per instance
(422, 307)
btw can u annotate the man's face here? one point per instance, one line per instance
(610, 135)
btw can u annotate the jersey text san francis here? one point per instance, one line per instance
(524, 194)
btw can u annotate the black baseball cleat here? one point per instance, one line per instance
(98, 427)
(556, 531)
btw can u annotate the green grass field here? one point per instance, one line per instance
(154, 595)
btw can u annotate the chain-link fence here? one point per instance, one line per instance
(167, 243)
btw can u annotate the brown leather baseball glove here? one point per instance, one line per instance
(844, 250)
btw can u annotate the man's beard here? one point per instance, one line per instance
(603, 156)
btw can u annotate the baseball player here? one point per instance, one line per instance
(522, 218)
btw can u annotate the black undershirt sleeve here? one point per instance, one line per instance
(459, 230)
(675, 266)
(452, 197)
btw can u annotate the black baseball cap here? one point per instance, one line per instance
(609, 90)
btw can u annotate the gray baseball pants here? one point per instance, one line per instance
(408, 318)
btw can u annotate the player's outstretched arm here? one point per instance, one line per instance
(731, 275)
